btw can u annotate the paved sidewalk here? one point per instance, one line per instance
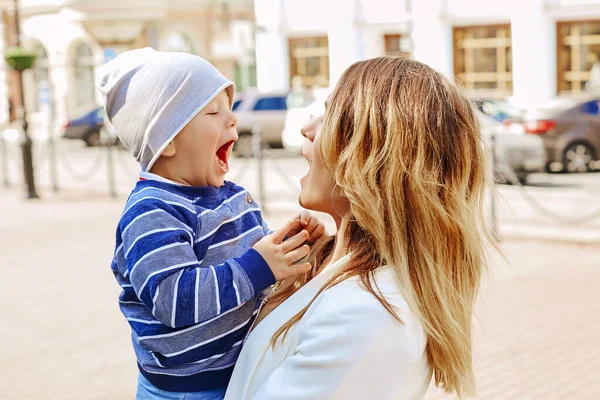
(63, 337)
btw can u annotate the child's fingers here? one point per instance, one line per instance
(294, 241)
(297, 254)
(279, 234)
(295, 230)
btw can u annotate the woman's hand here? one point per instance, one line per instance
(309, 223)
(281, 255)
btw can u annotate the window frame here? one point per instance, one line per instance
(40, 74)
(577, 76)
(502, 77)
(321, 51)
(83, 63)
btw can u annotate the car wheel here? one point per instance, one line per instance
(522, 179)
(243, 146)
(93, 139)
(577, 157)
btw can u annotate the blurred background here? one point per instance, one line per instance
(532, 67)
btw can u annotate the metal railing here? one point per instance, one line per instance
(53, 155)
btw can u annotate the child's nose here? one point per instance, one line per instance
(233, 121)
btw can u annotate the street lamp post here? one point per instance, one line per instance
(27, 143)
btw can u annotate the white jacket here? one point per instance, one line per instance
(347, 346)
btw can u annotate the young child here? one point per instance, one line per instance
(193, 254)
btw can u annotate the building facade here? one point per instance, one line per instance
(527, 50)
(72, 38)
(313, 41)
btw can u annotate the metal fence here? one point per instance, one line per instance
(54, 158)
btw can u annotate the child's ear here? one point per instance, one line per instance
(170, 150)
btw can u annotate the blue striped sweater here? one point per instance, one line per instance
(191, 280)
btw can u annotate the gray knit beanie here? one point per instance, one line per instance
(151, 96)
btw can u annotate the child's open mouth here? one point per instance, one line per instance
(223, 155)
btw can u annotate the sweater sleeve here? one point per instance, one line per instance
(164, 269)
(266, 229)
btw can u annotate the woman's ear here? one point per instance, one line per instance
(170, 150)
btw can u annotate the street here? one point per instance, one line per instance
(537, 332)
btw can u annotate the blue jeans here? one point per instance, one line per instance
(147, 391)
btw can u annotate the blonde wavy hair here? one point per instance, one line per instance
(400, 138)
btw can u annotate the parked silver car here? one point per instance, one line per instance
(265, 111)
(570, 130)
(298, 114)
(515, 152)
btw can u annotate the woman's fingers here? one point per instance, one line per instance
(317, 232)
(305, 219)
(311, 224)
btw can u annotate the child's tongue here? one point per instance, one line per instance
(222, 156)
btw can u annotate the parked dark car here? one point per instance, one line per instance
(87, 127)
(571, 134)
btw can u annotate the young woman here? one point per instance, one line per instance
(398, 161)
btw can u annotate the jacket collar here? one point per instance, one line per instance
(259, 340)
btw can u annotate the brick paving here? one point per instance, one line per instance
(538, 335)
(63, 337)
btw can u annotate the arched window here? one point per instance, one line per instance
(83, 70)
(177, 41)
(41, 74)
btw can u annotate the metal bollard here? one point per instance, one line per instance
(111, 169)
(4, 160)
(258, 154)
(52, 162)
(494, 216)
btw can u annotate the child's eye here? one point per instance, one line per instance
(213, 113)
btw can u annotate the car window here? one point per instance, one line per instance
(276, 103)
(236, 104)
(498, 110)
(299, 99)
(591, 107)
(97, 117)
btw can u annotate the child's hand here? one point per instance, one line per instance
(315, 228)
(281, 255)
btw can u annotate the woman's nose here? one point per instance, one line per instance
(303, 130)
(308, 129)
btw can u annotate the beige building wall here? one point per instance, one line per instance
(77, 38)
